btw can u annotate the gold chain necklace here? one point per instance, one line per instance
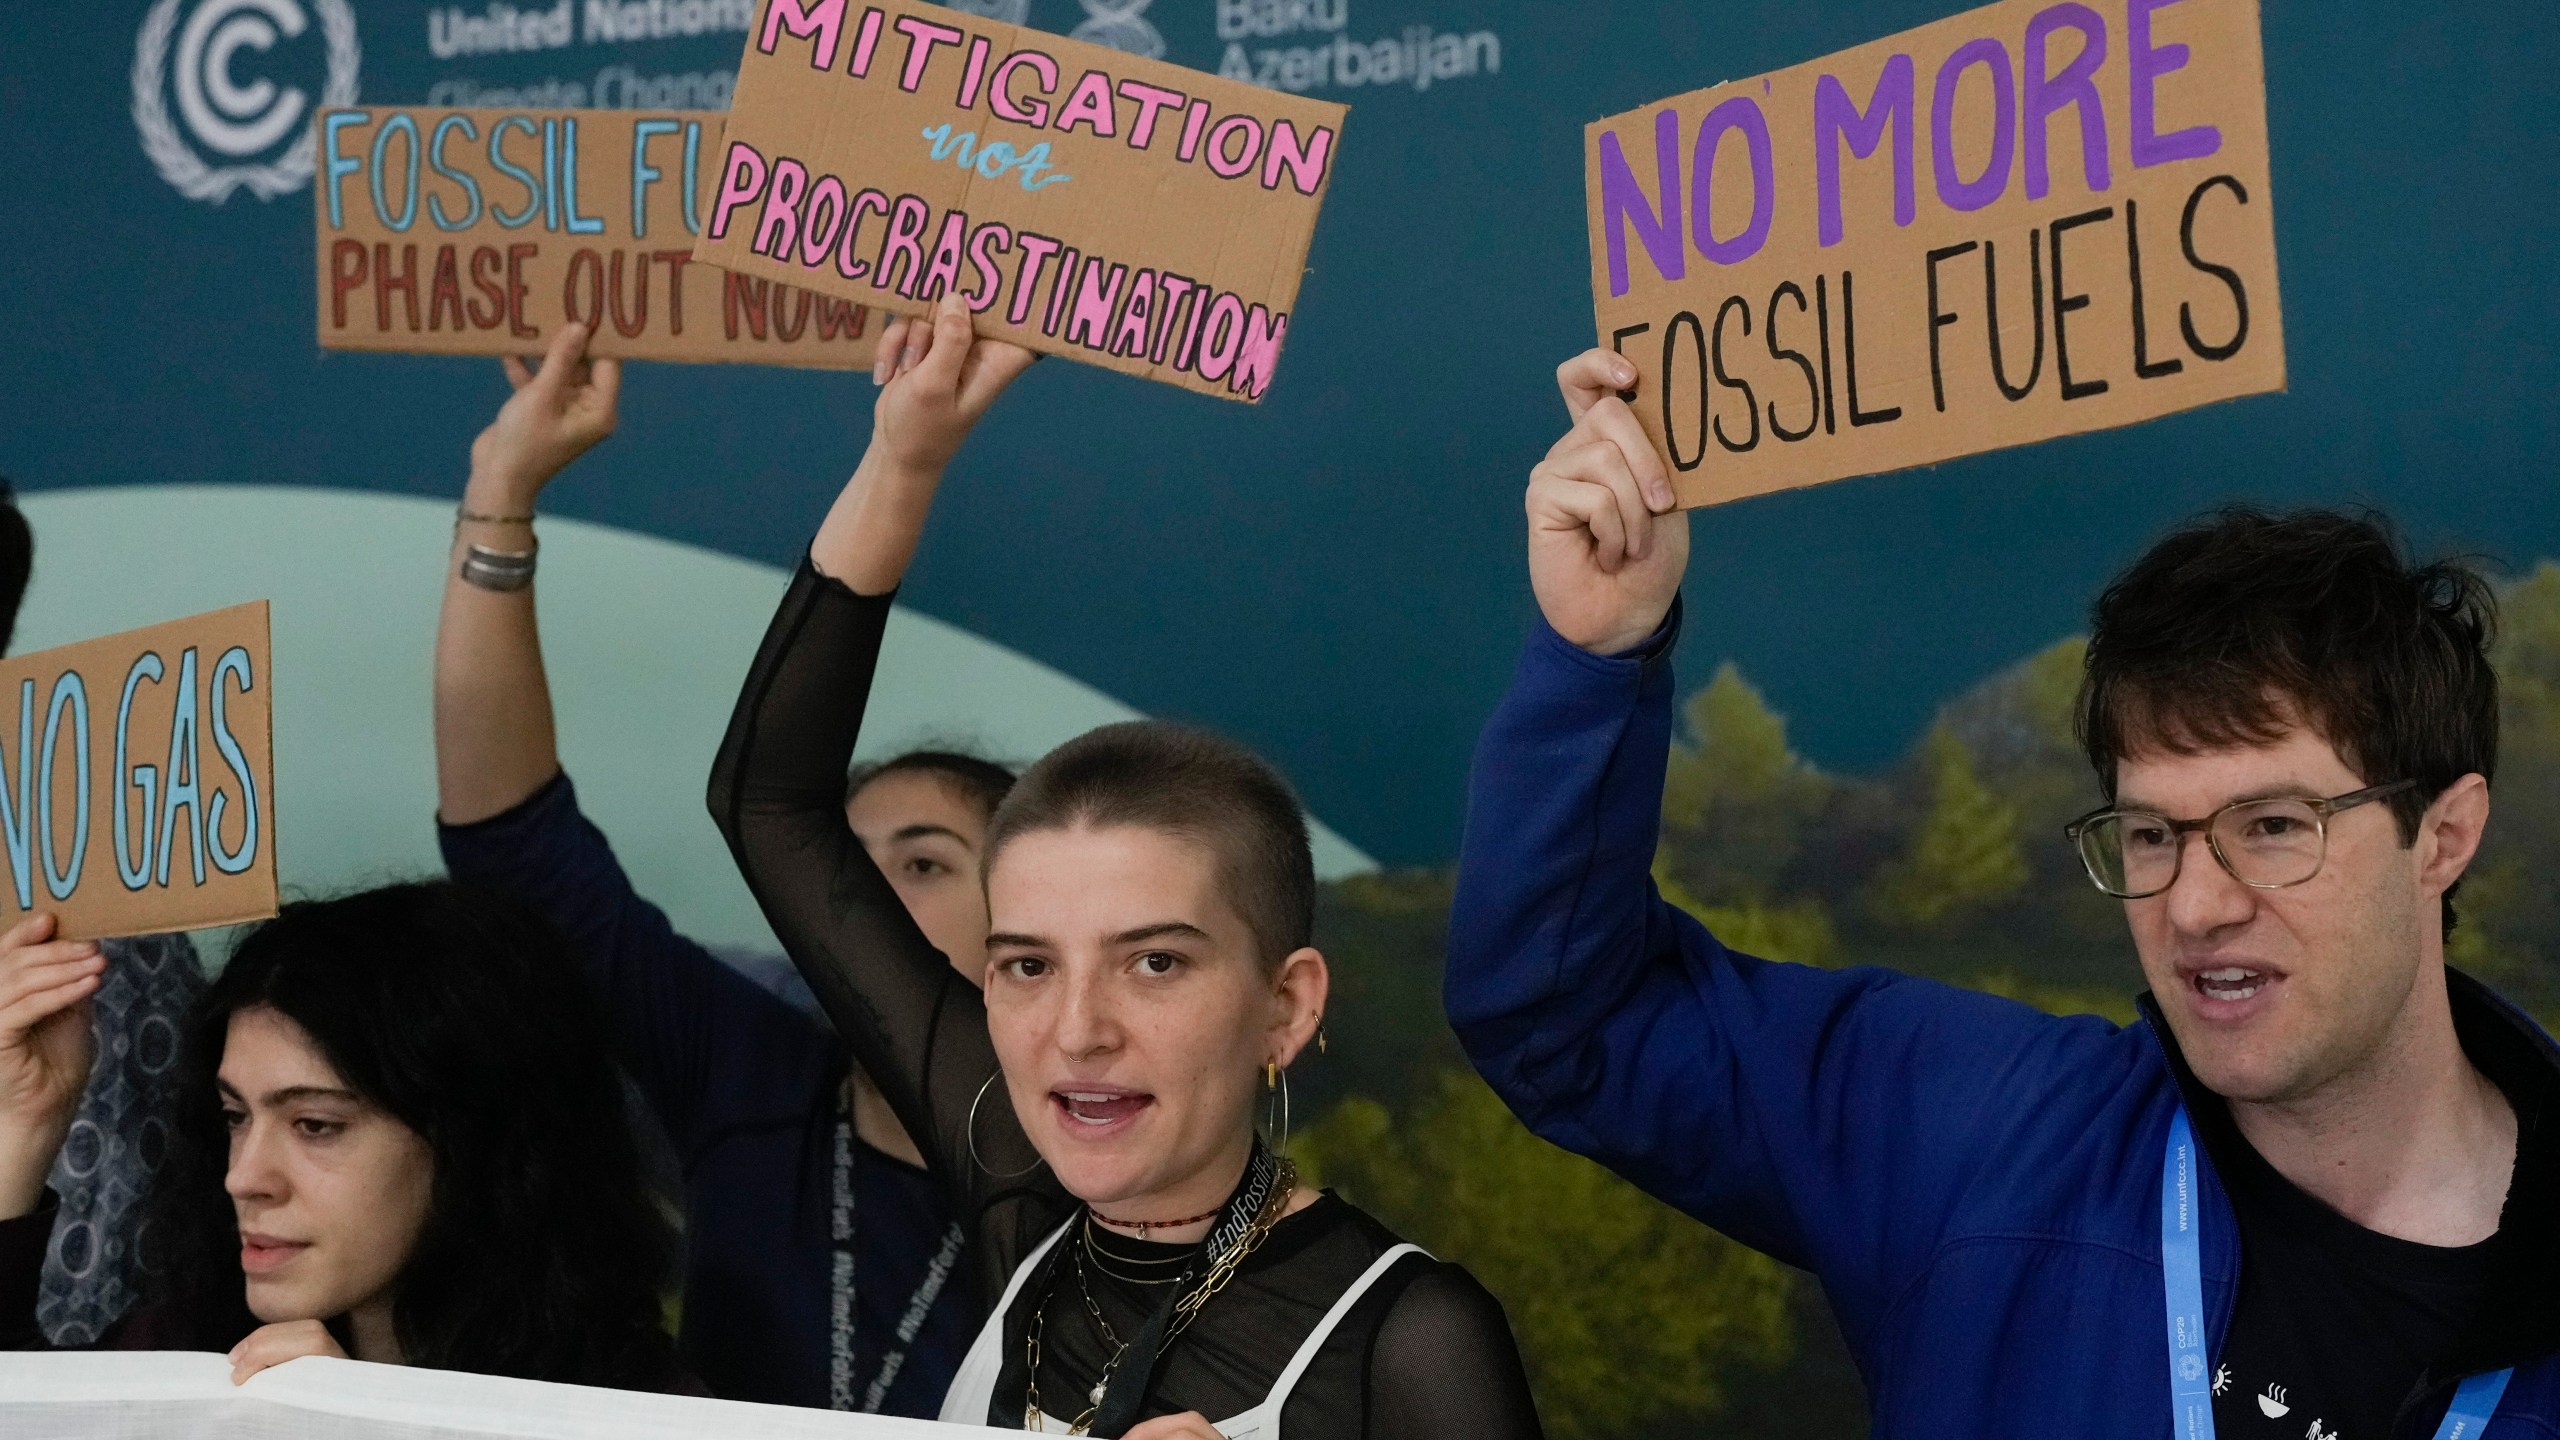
(1186, 1309)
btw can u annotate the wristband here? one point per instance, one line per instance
(500, 570)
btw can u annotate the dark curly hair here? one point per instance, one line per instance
(459, 1012)
(2246, 623)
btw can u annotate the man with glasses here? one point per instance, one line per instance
(2313, 1193)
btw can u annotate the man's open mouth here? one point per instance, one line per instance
(2230, 982)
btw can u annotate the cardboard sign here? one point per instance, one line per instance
(1088, 203)
(480, 232)
(137, 783)
(2030, 220)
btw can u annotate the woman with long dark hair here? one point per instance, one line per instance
(400, 1138)
(1153, 1268)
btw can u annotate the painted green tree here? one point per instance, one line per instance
(1963, 856)
(1627, 1311)
(2509, 928)
(1797, 933)
(1736, 801)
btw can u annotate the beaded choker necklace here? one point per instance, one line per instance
(1143, 1226)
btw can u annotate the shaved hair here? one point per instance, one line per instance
(1190, 783)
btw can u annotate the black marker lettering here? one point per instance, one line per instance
(2064, 302)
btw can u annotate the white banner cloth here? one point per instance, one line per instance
(188, 1395)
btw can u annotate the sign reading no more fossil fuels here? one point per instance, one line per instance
(2029, 220)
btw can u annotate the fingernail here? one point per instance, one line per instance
(1623, 374)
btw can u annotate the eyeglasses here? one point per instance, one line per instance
(2265, 844)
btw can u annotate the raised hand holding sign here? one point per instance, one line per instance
(1607, 548)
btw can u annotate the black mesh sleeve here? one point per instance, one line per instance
(1443, 1366)
(918, 1028)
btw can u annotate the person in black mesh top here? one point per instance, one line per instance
(1153, 1270)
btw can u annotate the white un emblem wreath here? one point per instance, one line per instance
(211, 36)
(1122, 25)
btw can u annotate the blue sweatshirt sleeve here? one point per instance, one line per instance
(703, 1042)
(1829, 1118)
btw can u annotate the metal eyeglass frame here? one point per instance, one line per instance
(2321, 811)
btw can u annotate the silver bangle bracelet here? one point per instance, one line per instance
(497, 569)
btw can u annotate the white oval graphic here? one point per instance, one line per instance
(646, 642)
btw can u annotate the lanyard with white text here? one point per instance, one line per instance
(840, 1379)
(2182, 1267)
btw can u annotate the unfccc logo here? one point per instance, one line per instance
(253, 134)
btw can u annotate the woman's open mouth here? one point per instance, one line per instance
(1098, 1109)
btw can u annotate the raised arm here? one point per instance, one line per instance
(1830, 1118)
(494, 741)
(686, 1024)
(777, 789)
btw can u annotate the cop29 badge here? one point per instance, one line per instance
(224, 90)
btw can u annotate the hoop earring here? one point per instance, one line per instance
(972, 1132)
(1278, 1102)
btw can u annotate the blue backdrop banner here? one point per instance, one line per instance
(1334, 575)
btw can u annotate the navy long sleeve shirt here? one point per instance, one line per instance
(748, 1089)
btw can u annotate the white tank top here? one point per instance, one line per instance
(973, 1389)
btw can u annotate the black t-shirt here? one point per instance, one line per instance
(2334, 1323)
(2339, 1331)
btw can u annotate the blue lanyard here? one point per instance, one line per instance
(2182, 1266)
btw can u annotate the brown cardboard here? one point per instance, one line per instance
(116, 753)
(1182, 274)
(2153, 263)
(393, 276)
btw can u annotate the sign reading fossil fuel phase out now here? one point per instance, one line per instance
(137, 782)
(480, 232)
(1084, 202)
(2029, 220)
